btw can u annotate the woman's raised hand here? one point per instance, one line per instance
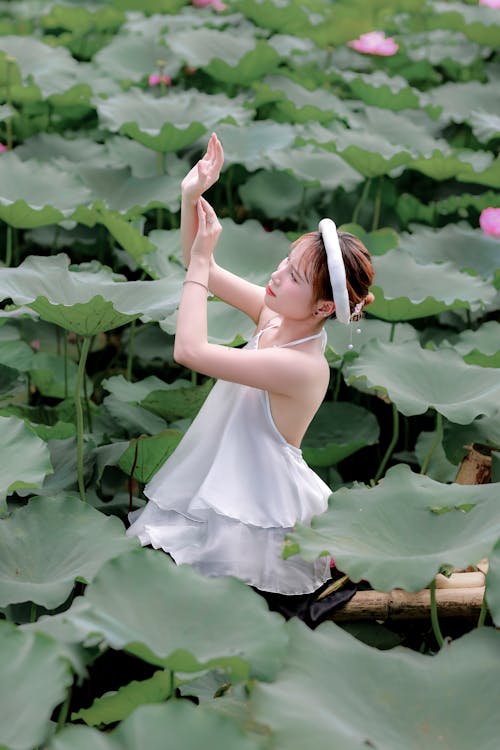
(205, 172)
(209, 229)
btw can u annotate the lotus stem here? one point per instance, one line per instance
(131, 477)
(33, 612)
(377, 204)
(8, 122)
(63, 713)
(65, 352)
(79, 413)
(338, 380)
(8, 246)
(392, 332)
(359, 204)
(483, 612)
(392, 444)
(130, 352)
(194, 378)
(435, 443)
(172, 685)
(434, 615)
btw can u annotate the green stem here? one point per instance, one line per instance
(434, 615)
(194, 377)
(130, 352)
(338, 380)
(79, 414)
(392, 333)
(377, 204)
(392, 444)
(172, 685)
(359, 204)
(63, 713)
(33, 612)
(483, 612)
(88, 411)
(65, 353)
(435, 443)
(8, 246)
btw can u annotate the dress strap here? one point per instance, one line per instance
(307, 338)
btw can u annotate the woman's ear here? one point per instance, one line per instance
(324, 308)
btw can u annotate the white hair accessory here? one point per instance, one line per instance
(336, 270)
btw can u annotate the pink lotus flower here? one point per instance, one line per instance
(35, 345)
(155, 80)
(216, 4)
(490, 3)
(375, 43)
(3, 147)
(489, 221)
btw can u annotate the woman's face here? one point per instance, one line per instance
(289, 293)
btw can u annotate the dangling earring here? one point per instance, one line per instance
(355, 316)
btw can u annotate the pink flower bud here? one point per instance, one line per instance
(489, 221)
(374, 43)
(155, 80)
(3, 147)
(35, 345)
(217, 5)
(490, 3)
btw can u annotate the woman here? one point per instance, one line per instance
(237, 482)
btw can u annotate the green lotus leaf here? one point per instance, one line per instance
(485, 126)
(74, 537)
(300, 104)
(130, 237)
(174, 725)
(17, 355)
(317, 167)
(145, 455)
(378, 242)
(53, 148)
(481, 173)
(88, 300)
(442, 47)
(268, 14)
(484, 430)
(120, 191)
(132, 418)
(133, 58)
(150, 6)
(465, 166)
(458, 100)
(439, 467)
(417, 379)
(370, 154)
(478, 23)
(145, 604)
(383, 699)
(54, 375)
(340, 337)
(32, 673)
(53, 69)
(405, 290)
(480, 346)
(371, 537)
(278, 195)
(409, 208)
(256, 143)
(338, 430)
(9, 378)
(493, 584)
(78, 19)
(34, 194)
(381, 90)
(229, 326)
(64, 460)
(453, 243)
(168, 123)
(25, 458)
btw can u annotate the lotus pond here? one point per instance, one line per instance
(395, 134)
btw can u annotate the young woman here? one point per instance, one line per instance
(237, 482)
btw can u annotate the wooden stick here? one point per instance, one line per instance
(402, 605)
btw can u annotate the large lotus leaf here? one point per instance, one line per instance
(442, 46)
(233, 58)
(378, 242)
(145, 455)
(130, 237)
(226, 325)
(147, 605)
(25, 458)
(405, 289)
(415, 131)
(132, 418)
(63, 457)
(493, 584)
(479, 170)
(120, 191)
(338, 430)
(340, 337)
(453, 243)
(370, 153)
(348, 695)
(409, 208)
(485, 126)
(34, 194)
(458, 100)
(439, 467)
(484, 430)
(134, 57)
(300, 104)
(256, 143)
(479, 23)
(89, 300)
(32, 674)
(480, 346)
(16, 354)
(317, 167)
(464, 166)
(168, 123)
(53, 69)
(78, 19)
(144, 162)
(51, 542)
(176, 725)
(277, 195)
(399, 533)
(417, 379)
(54, 375)
(381, 90)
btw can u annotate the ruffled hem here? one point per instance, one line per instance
(216, 545)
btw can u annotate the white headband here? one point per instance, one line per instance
(336, 270)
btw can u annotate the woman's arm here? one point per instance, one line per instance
(242, 294)
(279, 370)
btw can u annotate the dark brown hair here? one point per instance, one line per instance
(359, 270)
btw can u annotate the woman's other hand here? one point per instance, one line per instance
(205, 172)
(209, 229)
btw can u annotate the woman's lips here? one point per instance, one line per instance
(270, 291)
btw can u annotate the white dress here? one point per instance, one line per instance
(224, 500)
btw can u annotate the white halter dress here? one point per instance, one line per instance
(224, 500)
